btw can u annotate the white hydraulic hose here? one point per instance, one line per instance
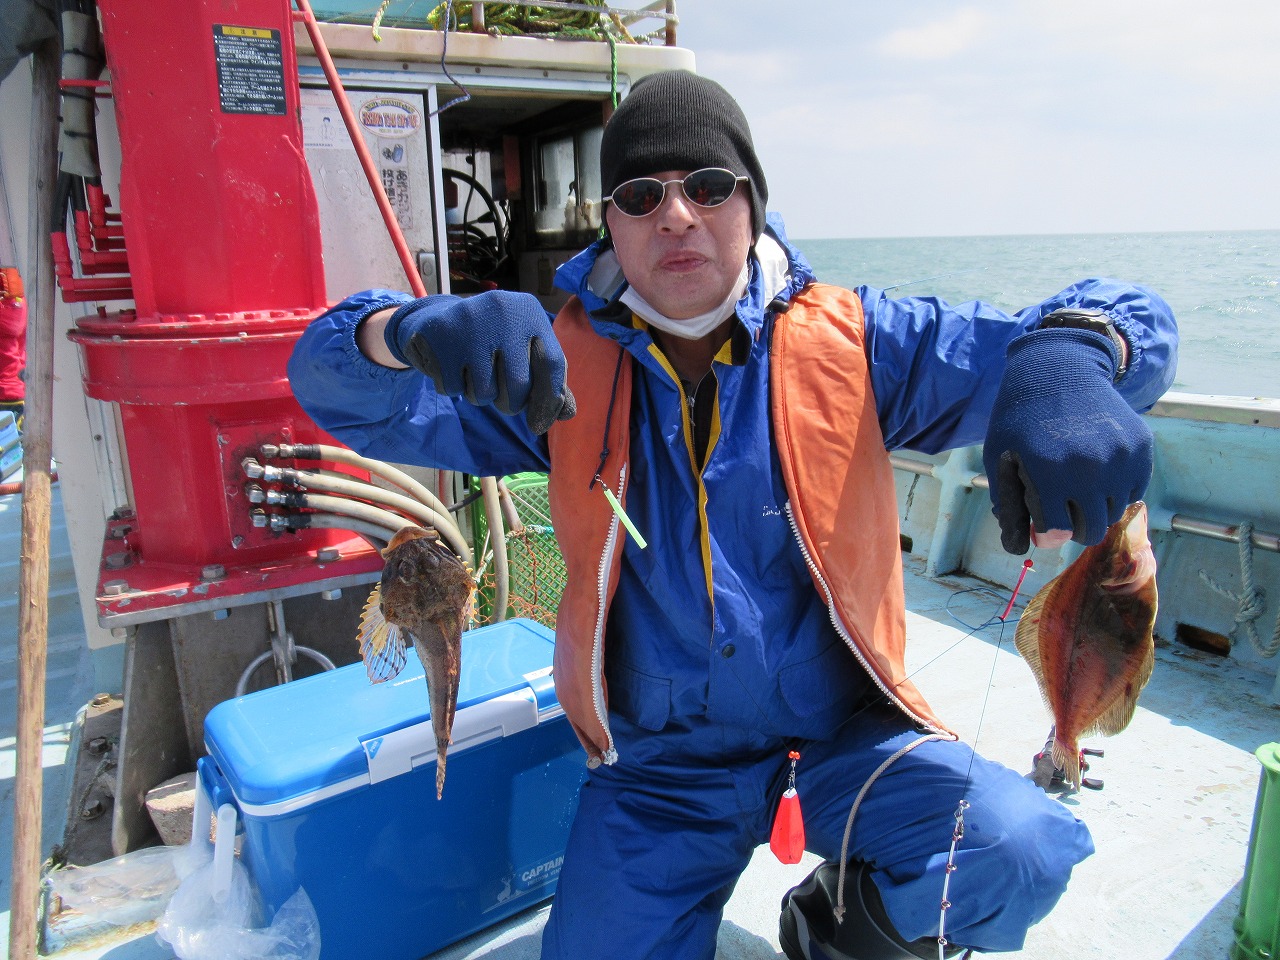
(498, 540)
(351, 458)
(333, 521)
(443, 523)
(354, 508)
(353, 486)
(514, 525)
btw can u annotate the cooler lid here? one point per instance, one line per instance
(336, 731)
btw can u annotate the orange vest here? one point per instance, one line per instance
(842, 503)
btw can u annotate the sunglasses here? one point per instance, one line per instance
(708, 187)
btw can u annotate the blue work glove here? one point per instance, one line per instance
(496, 347)
(1063, 449)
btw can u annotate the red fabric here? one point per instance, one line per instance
(13, 347)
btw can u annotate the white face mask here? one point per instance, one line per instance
(693, 328)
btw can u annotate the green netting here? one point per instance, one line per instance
(537, 575)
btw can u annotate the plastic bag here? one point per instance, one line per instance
(124, 890)
(210, 918)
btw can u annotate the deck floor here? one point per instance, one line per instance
(1171, 824)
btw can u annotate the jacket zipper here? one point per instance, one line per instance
(844, 633)
(597, 641)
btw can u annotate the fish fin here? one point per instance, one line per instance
(382, 645)
(1027, 636)
(1066, 757)
(1116, 717)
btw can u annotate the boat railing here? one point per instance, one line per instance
(1213, 515)
(1176, 522)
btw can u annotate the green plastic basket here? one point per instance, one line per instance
(534, 560)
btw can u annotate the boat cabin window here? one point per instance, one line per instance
(522, 190)
(568, 198)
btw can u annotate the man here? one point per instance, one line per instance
(739, 414)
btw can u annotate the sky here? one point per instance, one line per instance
(881, 118)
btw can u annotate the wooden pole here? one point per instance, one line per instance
(37, 449)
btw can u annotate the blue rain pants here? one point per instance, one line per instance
(662, 836)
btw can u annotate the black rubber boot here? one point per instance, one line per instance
(808, 929)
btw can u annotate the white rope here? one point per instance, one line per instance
(1251, 600)
(853, 811)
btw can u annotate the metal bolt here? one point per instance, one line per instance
(237, 542)
(330, 594)
(122, 633)
(98, 746)
(100, 700)
(214, 571)
(116, 561)
(114, 588)
(93, 809)
(221, 614)
(328, 555)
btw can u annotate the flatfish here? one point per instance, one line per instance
(1087, 636)
(424, 592)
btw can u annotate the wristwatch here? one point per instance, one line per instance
(1083, 318)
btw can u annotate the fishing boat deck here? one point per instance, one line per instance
(1171, 823)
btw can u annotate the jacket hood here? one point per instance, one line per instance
(778, 271)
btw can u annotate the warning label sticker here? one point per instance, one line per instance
(250, 70)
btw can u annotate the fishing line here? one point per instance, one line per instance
(1001, 618)
(957, 833)
(980, 590)
(941, 276)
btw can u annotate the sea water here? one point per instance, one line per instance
(1224, 288)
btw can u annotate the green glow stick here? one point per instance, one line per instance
(622, 515)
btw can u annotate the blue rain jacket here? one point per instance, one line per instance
(751, 645)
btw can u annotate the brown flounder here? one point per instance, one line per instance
(1087, 636)
(424, 592)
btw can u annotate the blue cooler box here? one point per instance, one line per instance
(333, 779)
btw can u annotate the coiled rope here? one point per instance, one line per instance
(1251, 599)
(577, 20)
(581, 19)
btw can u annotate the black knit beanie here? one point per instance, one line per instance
(677, 120)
